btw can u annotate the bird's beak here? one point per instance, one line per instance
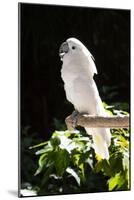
(64, 48)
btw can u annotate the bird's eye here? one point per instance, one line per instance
(73, 47)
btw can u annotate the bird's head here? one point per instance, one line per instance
(73, 51)
(71, 48)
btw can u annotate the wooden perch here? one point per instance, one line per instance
(90, 121)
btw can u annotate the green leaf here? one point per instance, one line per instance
(47, 175)
(42, 159)
(125, 161)
(82, 139)
(123, 142)
(81, 166)
(113, 181)
(75, 159)
(61, 161)
(38, 170)
(55, 141)
(44, 150)
(67, 144)
(116, 182)
(109, 112)
(116, 162)
(104, 166)
(74, 174)
(38, 145)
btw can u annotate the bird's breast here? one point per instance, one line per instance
(69, 73)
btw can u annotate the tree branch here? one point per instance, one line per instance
(90, 121)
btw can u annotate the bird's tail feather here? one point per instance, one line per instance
(101, 141)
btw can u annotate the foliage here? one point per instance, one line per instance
(67, 162)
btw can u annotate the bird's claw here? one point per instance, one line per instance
(74, 117)
(71, 121)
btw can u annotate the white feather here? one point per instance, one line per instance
(77, 73)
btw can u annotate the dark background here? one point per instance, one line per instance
(105, 32)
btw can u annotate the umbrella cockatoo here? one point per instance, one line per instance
(77, 72)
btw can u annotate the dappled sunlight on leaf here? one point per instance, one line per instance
(74, 174)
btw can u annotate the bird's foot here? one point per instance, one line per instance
(74, 117)
(71, 121)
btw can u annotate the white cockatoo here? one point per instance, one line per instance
(77, 72)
